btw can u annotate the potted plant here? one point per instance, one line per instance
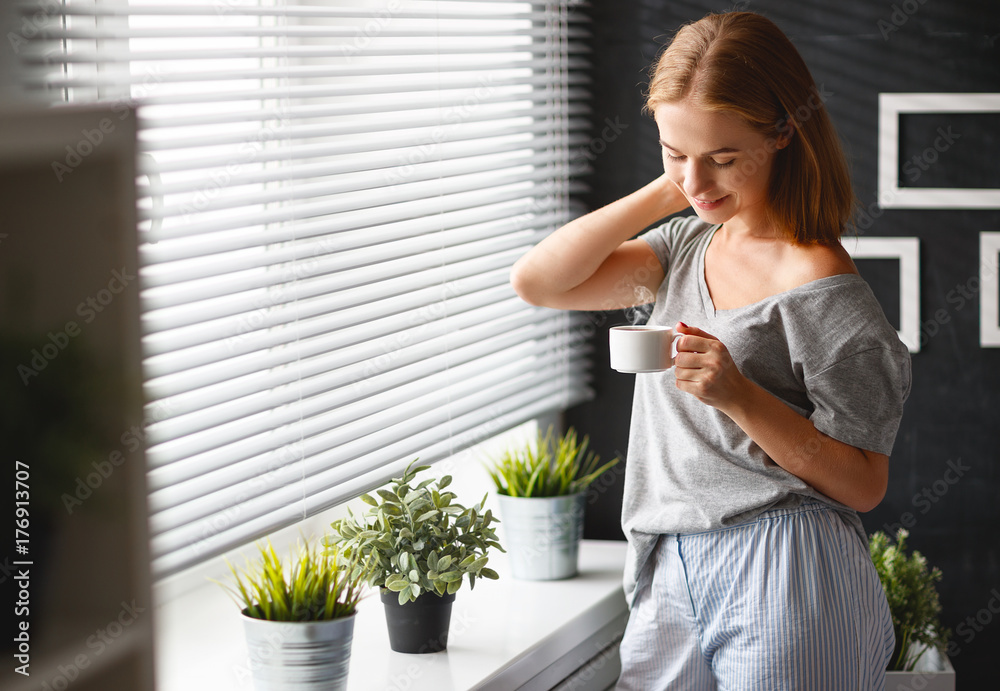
(541, 488)
(919, 659)
(416, 545)
(298, 617)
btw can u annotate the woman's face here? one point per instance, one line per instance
(722, 166)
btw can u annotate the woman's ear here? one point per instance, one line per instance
(785, 136)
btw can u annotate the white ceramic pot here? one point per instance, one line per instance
(932, 673)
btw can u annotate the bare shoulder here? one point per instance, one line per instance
(813, 262)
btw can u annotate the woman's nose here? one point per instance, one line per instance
(697, 180)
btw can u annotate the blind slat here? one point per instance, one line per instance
(123, 9)
(182, 519)
(405, 204)
(327, 227)
(124, 79)
(161, 316)
(242, 344)
(287, 31)
(220, 533)
(397, 140)
(345, 351)
(347, 231)
(359, 106)
(346, 413)
(126, 56)
(349, 243)
(388, 87)
(376, 190)
(329, 371)
(377, 124)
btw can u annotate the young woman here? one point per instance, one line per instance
(748, 460)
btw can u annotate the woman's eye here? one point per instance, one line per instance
(711, 161)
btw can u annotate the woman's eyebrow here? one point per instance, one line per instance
(723, 150)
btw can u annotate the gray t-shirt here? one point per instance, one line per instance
(825, 348)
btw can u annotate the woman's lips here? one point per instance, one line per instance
(709, 204)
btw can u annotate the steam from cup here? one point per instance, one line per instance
(640, 312)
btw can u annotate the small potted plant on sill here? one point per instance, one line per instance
(417, 545)
(298, 617)
(919, 659)
(541, 487)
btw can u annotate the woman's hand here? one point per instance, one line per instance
(848, 474)
(591, 264)
(705, 369)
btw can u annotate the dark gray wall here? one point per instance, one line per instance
(857, 49)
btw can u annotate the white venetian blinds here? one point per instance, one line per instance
(332, 196)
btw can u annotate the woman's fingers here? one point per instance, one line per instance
(704, 368)
(693, 340)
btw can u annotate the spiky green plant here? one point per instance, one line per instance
(913, 599)
(417, 539)
(547, 467)
(315, 585)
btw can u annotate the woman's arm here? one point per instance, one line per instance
(854, 477)
(590, 263)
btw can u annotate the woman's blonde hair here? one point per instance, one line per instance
(742, 63)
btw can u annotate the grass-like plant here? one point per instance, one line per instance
(418, 539)
(547, 467)
(315, 585)
(913, 599)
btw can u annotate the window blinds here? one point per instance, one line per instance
(332, 195)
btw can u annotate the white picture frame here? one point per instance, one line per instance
(890, 194)
(989, 286)
(906, 251)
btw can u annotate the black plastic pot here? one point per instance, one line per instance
(420, 626)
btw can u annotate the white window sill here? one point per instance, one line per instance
(505, 634)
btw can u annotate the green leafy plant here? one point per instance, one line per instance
(913, 599)
(548, 467)
(316, 585)
(417, 539)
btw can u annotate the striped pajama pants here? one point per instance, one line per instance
(789, 601)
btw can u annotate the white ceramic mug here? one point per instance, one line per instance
(636, 349)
